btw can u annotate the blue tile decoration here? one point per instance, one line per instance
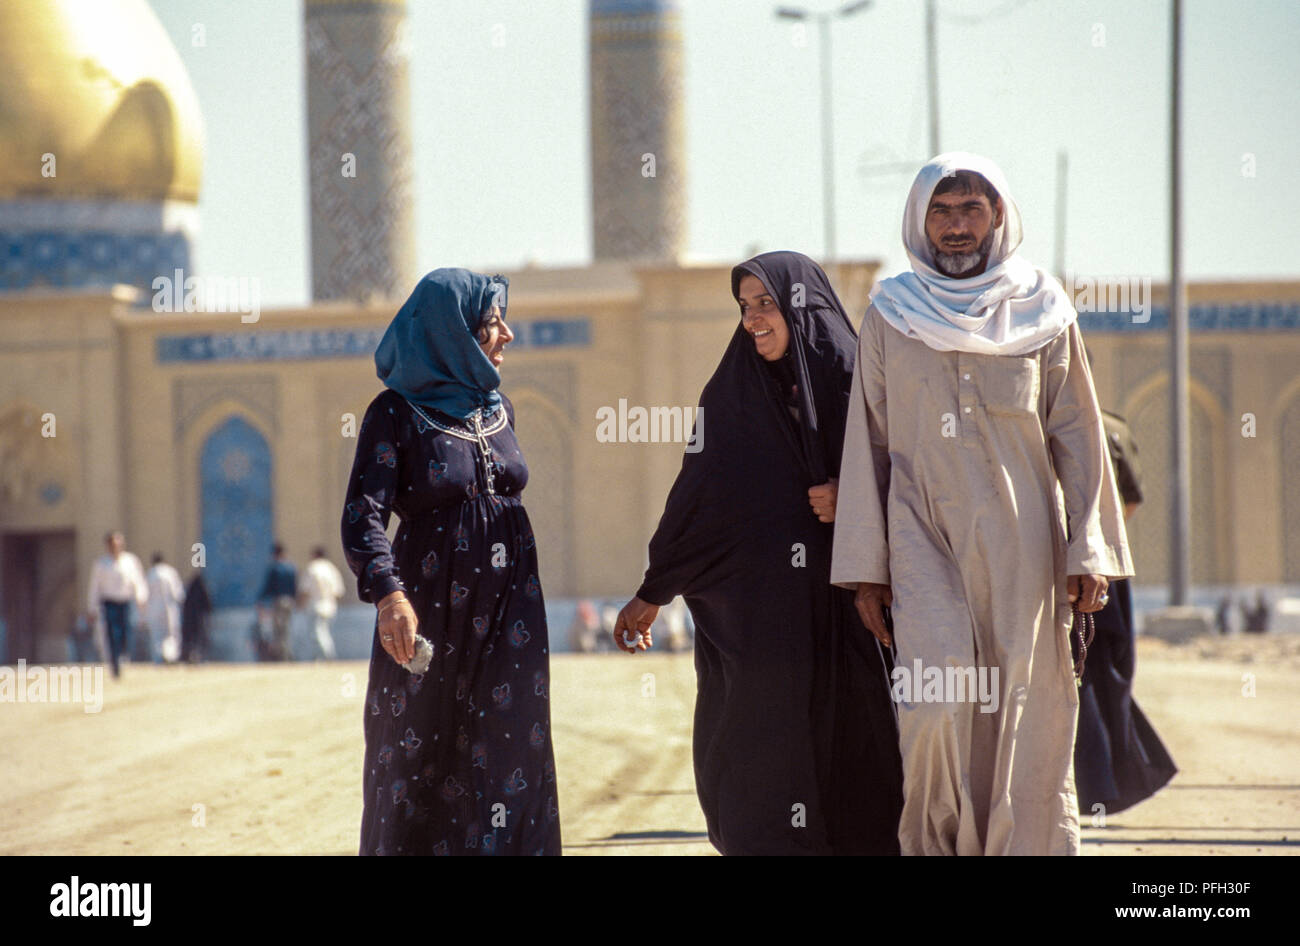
(1203, 317)
(306, 344)
(235, 515)
(31, 259)
(633, 7)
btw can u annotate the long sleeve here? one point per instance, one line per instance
(674, 558)
(1098, 544)
(704, 523)
(372, 488)
(861, 550)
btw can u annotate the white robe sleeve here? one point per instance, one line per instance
(861, 550)
(1098, 543)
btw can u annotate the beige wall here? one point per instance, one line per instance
(130, 430)
(1238, 518)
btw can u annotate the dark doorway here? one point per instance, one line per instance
(40, 597)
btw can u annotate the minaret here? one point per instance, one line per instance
(359, 149)
(638, 173)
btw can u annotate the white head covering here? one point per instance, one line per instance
(1011, 308)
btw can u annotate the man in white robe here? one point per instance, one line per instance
(977, 502)
(163, 613)
(321, 590)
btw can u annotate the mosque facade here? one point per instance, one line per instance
(207, 435)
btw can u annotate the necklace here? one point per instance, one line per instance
(478, 436)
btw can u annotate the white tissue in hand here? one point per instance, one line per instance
(423, 656)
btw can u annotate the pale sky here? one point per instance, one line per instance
(1019, 80)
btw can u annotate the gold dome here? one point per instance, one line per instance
(98, 84)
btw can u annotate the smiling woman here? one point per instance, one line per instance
(761, 317)
(795, 742)
(494, 335)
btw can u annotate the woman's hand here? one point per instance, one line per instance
(822, 499)
(397, 626)
(634, 621)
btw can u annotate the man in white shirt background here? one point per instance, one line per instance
(321, 589)
(163, 615)
(116, 582)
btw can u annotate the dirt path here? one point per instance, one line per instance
(242, 759)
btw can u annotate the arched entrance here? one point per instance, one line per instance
(235, 511)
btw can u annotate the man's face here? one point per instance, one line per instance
(116, 544)
(960, 227)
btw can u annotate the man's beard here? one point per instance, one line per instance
(962, 264)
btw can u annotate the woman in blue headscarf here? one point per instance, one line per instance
(458, 755)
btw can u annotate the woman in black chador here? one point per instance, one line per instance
(796, 745)
(458, 757)
(1119, 759)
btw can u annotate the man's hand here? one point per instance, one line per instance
(871, 601)
(822, 499)
(632, 629)
(1087, 592)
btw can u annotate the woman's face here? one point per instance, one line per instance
(762, 319)
(494, 335)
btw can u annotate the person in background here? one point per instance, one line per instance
(278, 594)
(1118, 758)
(322, 586)
(163, 616)
(585, 629)
(81, 641)
(1223, 615)
(1257, 617)
(194, 620)
(116, 582)
(673, 617)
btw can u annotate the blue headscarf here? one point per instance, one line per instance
(430, 354)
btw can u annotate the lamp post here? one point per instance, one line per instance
(1180, 516)
(823, 19)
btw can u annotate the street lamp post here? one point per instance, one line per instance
(823, 19)
(1180, 515)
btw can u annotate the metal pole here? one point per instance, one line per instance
(932, 75)
(828, 145)
(1180, 513)
(1062, 170)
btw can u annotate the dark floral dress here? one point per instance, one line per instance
(458, 760)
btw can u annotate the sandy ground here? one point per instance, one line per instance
(247, 759)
